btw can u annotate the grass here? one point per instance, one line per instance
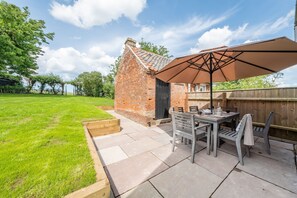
(43, 150)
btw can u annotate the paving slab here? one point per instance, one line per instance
(129, 173)
(111, 155)
(112, 141)
(162, 138)
(170, 158)
(241, 184)
(143, 134)
(163, 128)
(186, 180)
(140, 146)
(128, 130)
(277, 153)
(221, 165)
(145, 190)
(231, 149)
(275, 143)
(107, 136)
(271, 170)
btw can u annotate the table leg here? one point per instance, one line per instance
(215, 139)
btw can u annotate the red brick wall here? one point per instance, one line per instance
(178, 95)
(135, 90)
(131, 88)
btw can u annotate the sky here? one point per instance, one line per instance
(90, 34)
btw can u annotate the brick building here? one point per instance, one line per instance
(138, 94)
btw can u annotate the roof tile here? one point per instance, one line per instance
(152, 61)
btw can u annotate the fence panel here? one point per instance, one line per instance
(259, 102)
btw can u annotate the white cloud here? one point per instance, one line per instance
(176, 37)
(179, 36)
(69, 62)
(89, 13)
(271, 27)
(217, 37)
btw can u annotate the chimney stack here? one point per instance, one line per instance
(131, 42)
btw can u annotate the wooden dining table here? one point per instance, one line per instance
(216, 120)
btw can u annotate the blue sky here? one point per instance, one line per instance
(89, 34)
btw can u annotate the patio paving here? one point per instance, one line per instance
(139, 163)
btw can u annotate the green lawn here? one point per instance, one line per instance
(43, 150)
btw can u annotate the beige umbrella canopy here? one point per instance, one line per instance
(231, 63)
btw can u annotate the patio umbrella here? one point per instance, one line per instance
(231, 63)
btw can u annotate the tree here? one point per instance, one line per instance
(92, 83)
(20, 40)
(31, 82)
(42, 79)
(114, 67)
(77, 83)
(265, 81)
(157, 49)
(108, 86)
(53, 81)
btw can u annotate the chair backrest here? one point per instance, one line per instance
(183, 122)
(193, 109)
(268, 122)
(240, 127)
(179, 109)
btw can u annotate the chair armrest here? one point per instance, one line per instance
(202, 126)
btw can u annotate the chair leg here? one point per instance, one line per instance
(238, 146)
(219, 143)
(267, 144)
(211, 141)
(247, 148)
(173, 142)
(208, 142)
(193, 151)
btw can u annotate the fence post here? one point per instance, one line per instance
(224, 99)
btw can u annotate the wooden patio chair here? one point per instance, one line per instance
(264, 132)
(193, 109)
(184, 126)
(231, 123)
(235, 136)
(178, 109)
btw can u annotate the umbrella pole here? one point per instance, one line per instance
(210, 82)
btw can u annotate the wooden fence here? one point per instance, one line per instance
(259, 102)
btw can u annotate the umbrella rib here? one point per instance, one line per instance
(266, 51)
(200, 66)
(252, 64)
(205, 61)
(180, 71)
(178, 64)
(219, 59)
(217, 62)
(198, 71)
(231, 60)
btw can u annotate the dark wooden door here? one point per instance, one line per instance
(162, 99)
